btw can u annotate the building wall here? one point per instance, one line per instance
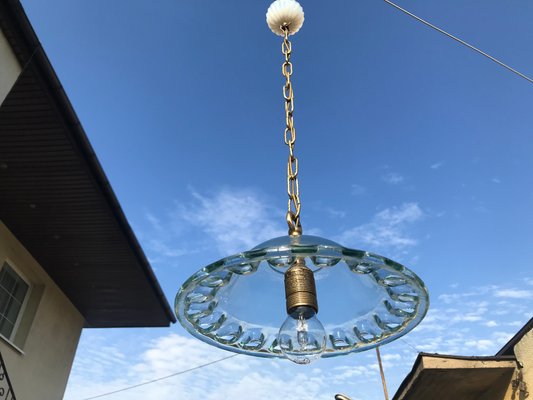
(9, 68)
(523, 351)
(521, 387)
(39, 356)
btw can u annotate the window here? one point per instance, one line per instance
(13, 291)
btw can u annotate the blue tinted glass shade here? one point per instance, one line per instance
(238, 302)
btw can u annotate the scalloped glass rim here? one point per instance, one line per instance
(202, 302)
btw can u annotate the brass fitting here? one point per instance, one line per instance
(300, 289)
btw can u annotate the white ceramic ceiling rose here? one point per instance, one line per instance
(285, 12)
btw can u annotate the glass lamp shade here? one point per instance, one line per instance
(238, 302)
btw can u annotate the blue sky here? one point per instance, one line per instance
(410, 146)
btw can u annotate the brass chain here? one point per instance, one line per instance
(293, 190)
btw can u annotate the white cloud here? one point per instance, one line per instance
(469, 318)
(162, 239)
(461, 323)
(408, 212)
(451, 297)
(235, 219)
(464, 322)
(480, 345)
(514, 293)
(502, 337)
(475, 292)
(343, 373)
(357, 190)
(239, 219)
(161, 248)
(390, 357)
(387, 230)
(231, 220)
(437, 165)
(154, 221)
(393, 178)
(234, 378)
(335, 213)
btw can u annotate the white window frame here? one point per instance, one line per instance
(24, 302)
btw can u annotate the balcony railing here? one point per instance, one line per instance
(6, 390)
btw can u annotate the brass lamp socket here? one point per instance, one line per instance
(300, 289)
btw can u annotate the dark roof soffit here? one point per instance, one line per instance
(28, 49)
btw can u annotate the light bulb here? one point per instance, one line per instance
(302, 337)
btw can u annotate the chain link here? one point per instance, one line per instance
(293, 190)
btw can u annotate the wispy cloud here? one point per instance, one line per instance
(235, 219)
(514, 293)
(229, 220)
(437, 165)
(461, 322)
(238, 219)
(357, 190)
(471, 321)
(465, 320)
(393, 178)
(484, 346)
(234, 378)
(335, 213)
(387, 230)
(162, 238)
(480, 345)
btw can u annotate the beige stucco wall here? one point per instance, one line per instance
(523, 351)
(41, 369)
(9, 68)
(521, 388)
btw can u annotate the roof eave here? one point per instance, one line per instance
(32, 52)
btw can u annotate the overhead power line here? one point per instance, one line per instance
(459, 40)
(162, 378)
(410, 345)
